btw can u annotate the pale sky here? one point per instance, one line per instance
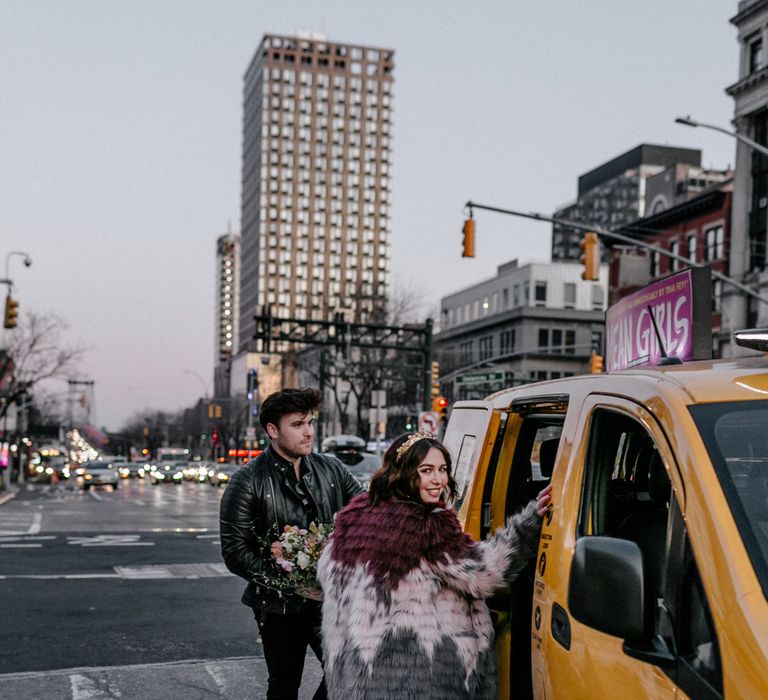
(120, 134)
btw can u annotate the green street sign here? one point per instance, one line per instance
(484, 378)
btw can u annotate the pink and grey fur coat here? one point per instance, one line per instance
(404, 613)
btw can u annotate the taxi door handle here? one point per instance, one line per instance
(561, 626)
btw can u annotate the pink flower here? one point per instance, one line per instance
(277, 550)
(286, 565)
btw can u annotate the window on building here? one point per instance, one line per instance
(755, 54)
(714, 239)
(505, 298)
(570, 342)
(541, 294)
(597, 297)
(569, 295)
(717, 296)
(466, 351)
(543, 338)
(692, 248)
(674, 248)
(507, 342)
(485, 348)
(655, 264)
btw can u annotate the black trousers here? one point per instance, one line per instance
(285, 639)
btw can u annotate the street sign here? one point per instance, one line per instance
(429, 420)
(250, 433)
(482, 378)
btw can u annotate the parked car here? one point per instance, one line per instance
(222, 473)
(361, 465)
(100, 473)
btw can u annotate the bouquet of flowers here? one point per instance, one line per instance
(295, 554)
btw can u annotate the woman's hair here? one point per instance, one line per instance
(398, 476)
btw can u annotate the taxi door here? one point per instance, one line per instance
(519, 467)
(612, 480)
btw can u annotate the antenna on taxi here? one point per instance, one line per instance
(665, 359)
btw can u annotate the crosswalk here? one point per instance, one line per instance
(17, 523)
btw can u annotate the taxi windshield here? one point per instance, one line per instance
(736, 437)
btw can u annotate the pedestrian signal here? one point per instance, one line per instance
(596, 363)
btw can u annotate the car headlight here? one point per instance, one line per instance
(88, 477)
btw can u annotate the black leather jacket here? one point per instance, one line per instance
(259, 502)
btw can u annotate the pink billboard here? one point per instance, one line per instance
(681, 305)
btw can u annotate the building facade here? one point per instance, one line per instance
(529, 323)
(698, 230)
(315, 181)
(614, 194)
(227, 296)
(750, 193)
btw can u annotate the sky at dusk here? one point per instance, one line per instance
(120, 136)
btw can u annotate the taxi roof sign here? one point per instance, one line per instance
(682, 310)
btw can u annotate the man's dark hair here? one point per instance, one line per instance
(287, 401)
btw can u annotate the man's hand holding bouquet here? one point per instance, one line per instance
(294, 557)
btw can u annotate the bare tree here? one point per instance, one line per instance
(398, 372)
(33, 354)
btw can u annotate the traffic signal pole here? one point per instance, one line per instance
(605, 233)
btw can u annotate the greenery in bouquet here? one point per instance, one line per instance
(294, 556)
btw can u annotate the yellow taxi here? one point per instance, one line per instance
(651, 577)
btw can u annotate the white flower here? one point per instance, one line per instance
(302, 560)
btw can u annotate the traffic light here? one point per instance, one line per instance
(11, 312)
(469, 239)
(435, 378)
(253, 383)
(440, 406)
(596, 363)
(590, 258)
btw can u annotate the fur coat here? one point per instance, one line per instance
(404, 614)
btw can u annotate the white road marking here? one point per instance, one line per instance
(95, 495)
(219, 675)
(37, 520)
(85, 688)
(109, 541)
(153, 571)
(26, 538)
(203, 537)
(19, 546)
(51, 577)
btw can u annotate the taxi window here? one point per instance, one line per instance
(737, 442)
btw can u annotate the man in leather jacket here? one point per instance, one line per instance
(287, 484)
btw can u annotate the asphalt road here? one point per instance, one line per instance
(123, 594)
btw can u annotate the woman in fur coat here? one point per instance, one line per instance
(404, 614)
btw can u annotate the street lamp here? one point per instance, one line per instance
(204, 384)
(27, 260)
(687, 121)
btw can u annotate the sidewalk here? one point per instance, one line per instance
(241, 678)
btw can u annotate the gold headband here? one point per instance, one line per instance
(412, 440)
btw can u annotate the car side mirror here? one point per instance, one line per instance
(606, 589)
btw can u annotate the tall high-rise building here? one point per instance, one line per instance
(315, 181)
(227, 284)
